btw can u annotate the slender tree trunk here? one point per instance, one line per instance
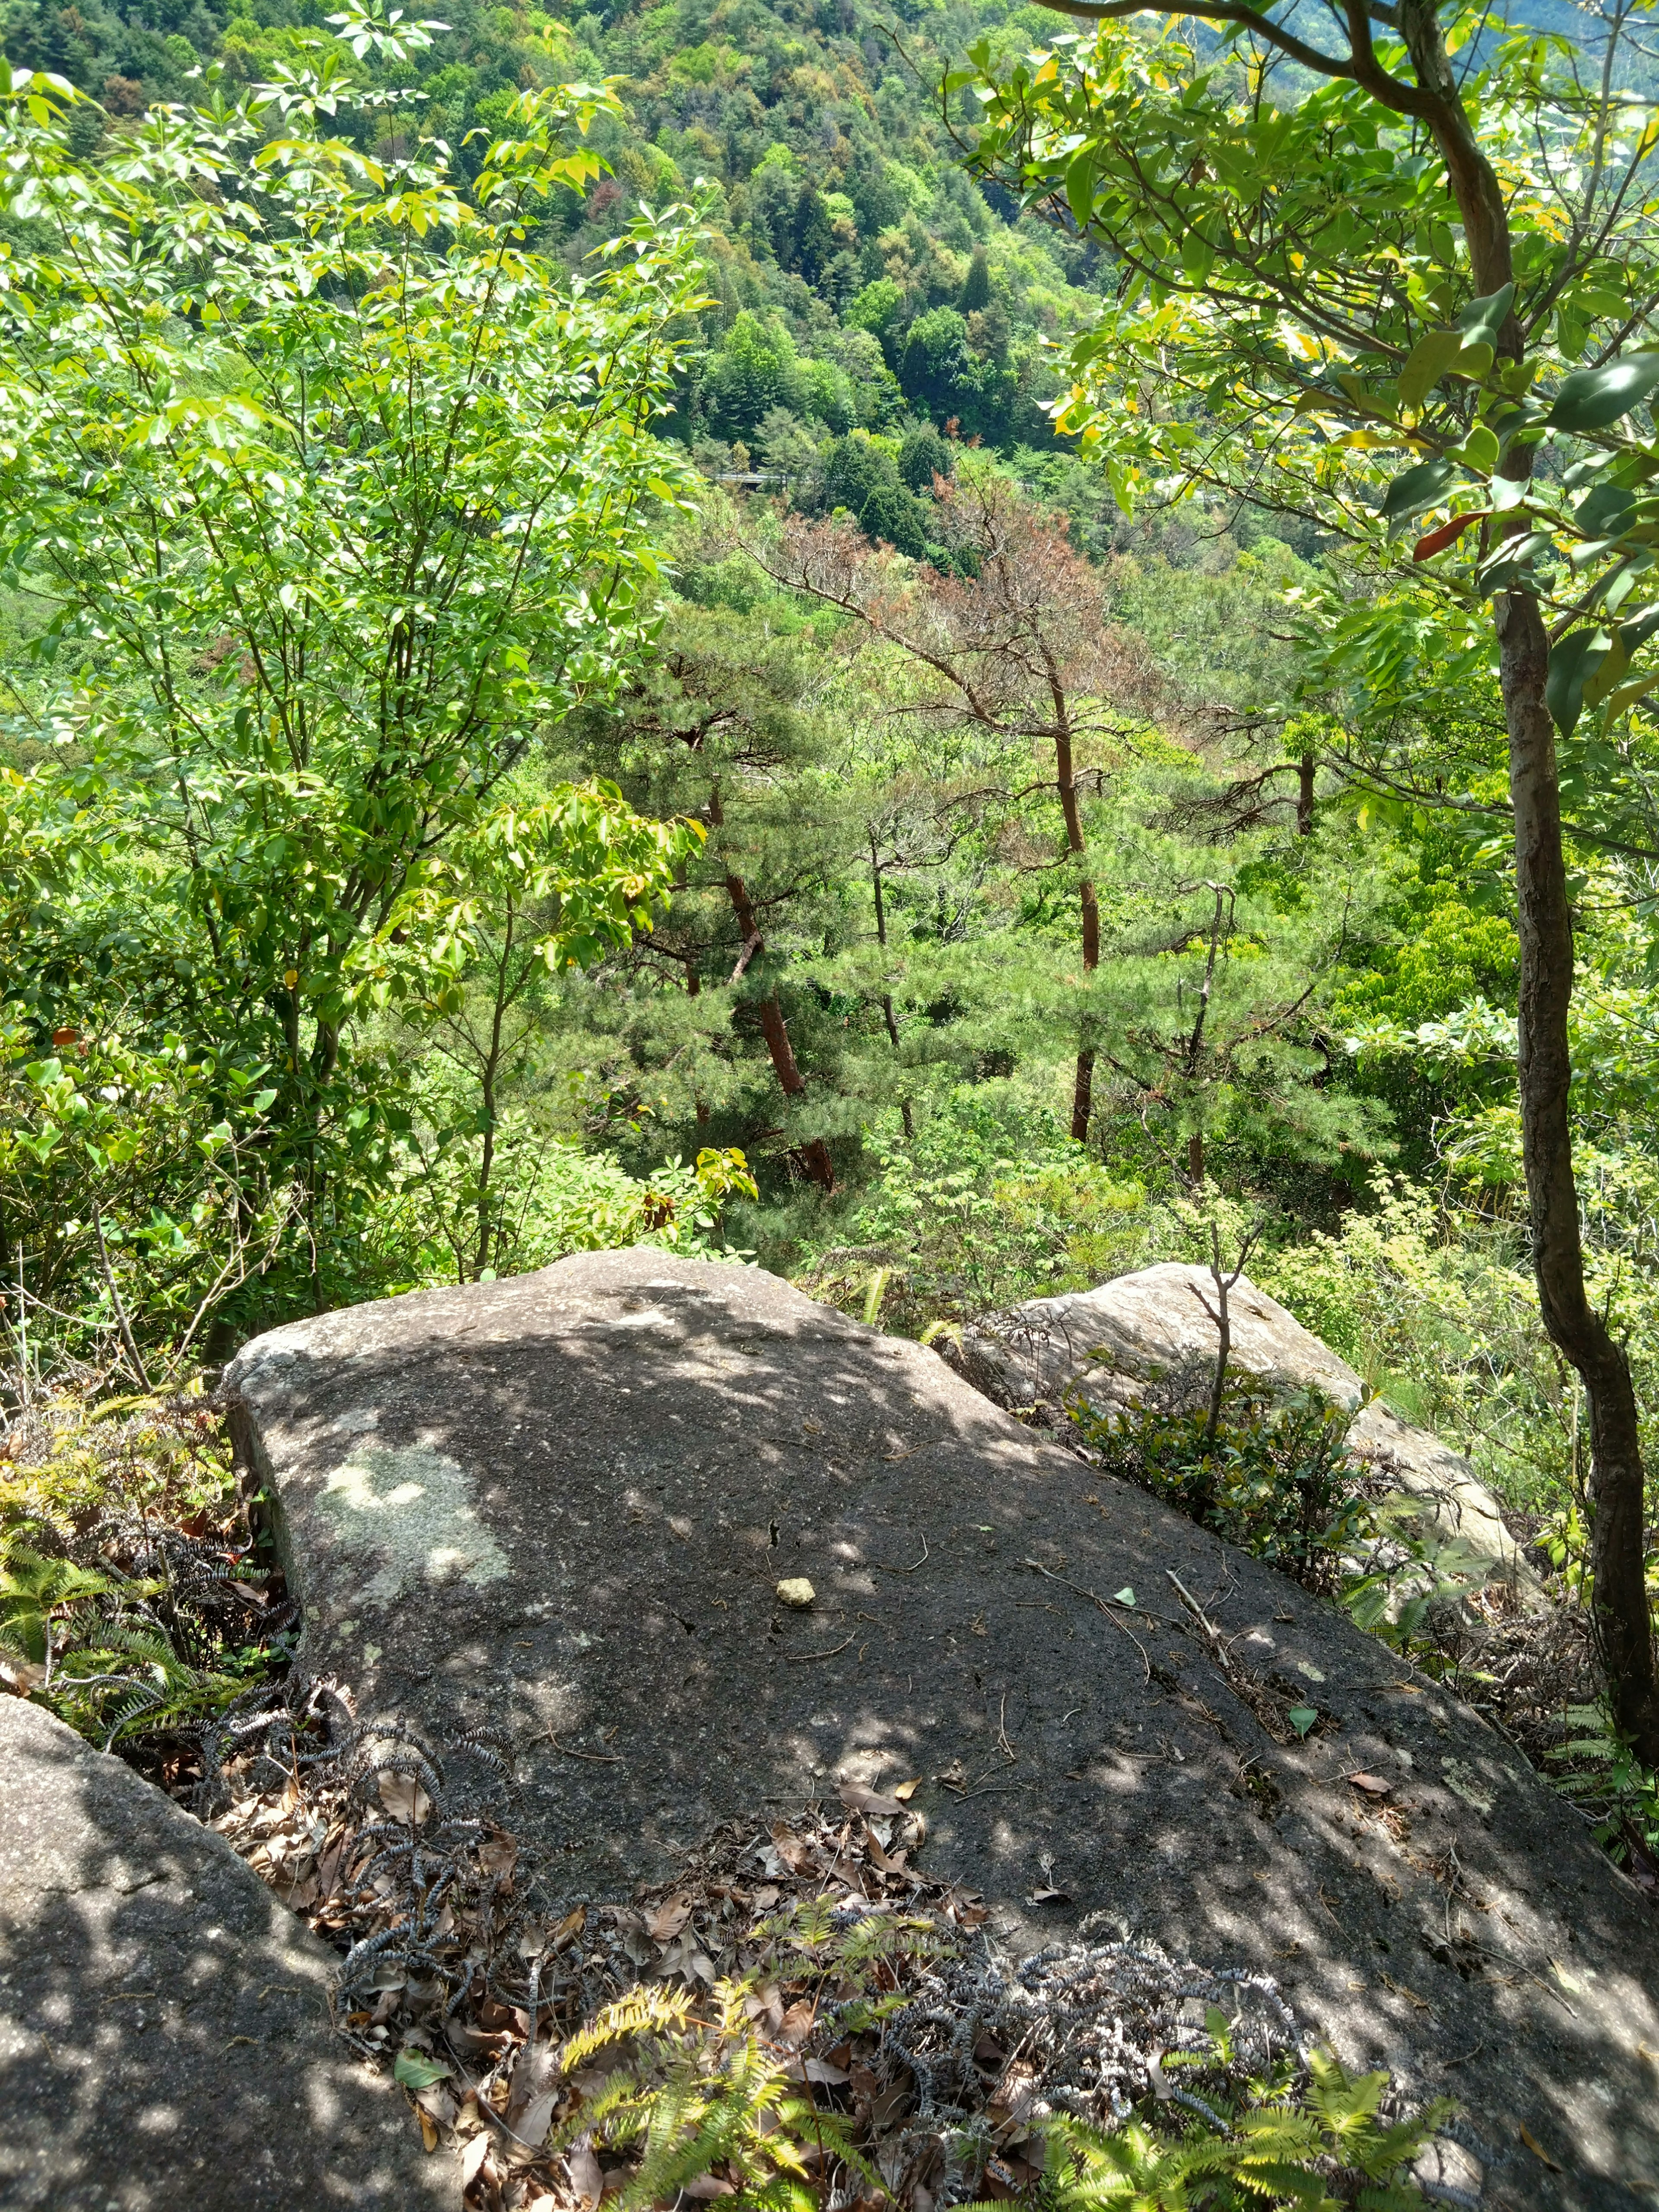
(1623, 1626)
(1305, 796)
(1195, 1157)
(887, 1013)
(487, 1076)
(1065, 781)
(774, 1028)
(1620, 1608)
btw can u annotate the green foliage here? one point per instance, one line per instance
(1274, 1479)
(1321, 2146)
(692, 2087)
(297, 636)
(551, 1199)
(129, 1629)
(692, 2081)
(1607, 1781)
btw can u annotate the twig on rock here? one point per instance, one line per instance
(598, 1758)
(1101, 1603)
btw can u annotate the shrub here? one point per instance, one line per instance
(1275, 1479)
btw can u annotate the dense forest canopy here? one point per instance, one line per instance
(792, 631)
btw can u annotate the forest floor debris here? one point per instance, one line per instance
(910, 2065)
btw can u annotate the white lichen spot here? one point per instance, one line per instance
(409, 1513)
(1466, 1783)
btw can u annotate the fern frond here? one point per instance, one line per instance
(641, 2011)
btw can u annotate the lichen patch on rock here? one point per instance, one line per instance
(410, 1510)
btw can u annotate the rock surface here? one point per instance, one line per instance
(565, 1503)
(165, 2044)
(1109, 1342)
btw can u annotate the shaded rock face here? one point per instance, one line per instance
(1108, 1343)
(564, 1503)
(165, 2042)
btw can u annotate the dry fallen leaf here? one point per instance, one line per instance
(1049, 1897)
(904, 1791)
(533, 2122)
(1539, 2151)
(586, 2176)
(858, 1799)
(797, 2025)
(472, 2158)
(402, 1796)
(568, 1929)
(429, 2131)
(1372, 1782)
(666, 1921)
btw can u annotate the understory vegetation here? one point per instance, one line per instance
(946, 659)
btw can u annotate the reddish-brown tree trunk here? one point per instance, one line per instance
(1619, 1603)
(1082, 1084)
(775, 1030)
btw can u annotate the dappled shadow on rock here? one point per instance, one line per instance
(565, 1501)
(164, 2031)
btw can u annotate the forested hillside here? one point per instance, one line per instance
(667, 624)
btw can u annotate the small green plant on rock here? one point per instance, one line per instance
(1273, 1477)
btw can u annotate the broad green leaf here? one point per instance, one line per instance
(1417, 489)
(1080, 187)
(1594, 399)
(417, 2070)
(1482, 320)
(1573, 661)
(1430, 358)
(1302, 1717)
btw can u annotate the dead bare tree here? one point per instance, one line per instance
(1021, 645)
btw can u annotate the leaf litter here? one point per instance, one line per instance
(924, 2065)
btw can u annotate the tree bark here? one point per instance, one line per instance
(774, 1028)
(1620, 1606)
(887, 1013)
(1065, 783)
(1305, 796)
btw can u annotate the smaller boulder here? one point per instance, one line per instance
(1107, 1345)
(165, 2038)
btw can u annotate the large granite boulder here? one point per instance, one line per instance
(165, 2038)
(565, 1503)
(1108, 1344)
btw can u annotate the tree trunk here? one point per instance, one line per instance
(887, 1013)
(1623, 1628)
(1065, 783)
(1195, 1157)
(774, 1028)
(1305, 796)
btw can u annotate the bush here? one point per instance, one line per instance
(1275, 1479)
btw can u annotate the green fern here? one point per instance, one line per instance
(40, 1596)
(701, 2088)
(1323, 2148)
